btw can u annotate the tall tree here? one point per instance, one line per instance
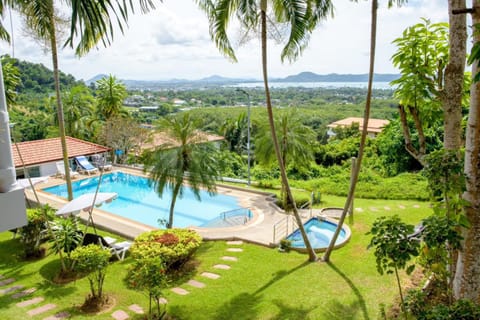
(363, 137)
(301, 16)
(466, 283)
(110, 95)
(183, 158)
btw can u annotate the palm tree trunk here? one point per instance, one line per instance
(172, 205)
(61, 121)
(311, 252)
(366, 116)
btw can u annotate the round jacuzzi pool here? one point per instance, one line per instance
(319, 231)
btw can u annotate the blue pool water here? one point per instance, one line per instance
(138, 201)
(319, 232)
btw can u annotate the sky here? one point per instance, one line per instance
(173, 42)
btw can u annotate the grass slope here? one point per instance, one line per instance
(262, 284)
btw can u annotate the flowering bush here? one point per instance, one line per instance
(173, 246)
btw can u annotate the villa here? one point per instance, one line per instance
(375, 126)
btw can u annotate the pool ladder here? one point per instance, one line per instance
(283, 228)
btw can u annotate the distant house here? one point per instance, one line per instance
(39, 156)
(375, 126)
(178, 102)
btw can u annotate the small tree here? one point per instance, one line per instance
(93, 261)
(148, 274)
(393, 248)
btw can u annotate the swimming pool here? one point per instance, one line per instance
(319, 232)
(138, 201)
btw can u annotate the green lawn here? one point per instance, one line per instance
(262, 284)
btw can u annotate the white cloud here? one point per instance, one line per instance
(173, 42)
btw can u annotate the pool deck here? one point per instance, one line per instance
(260, 229)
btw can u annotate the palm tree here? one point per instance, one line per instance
(363, 138)
(295, 143)
(110, 95)
(91, 20)
(302, 17)
(185, 158)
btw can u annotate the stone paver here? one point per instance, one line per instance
(58, 316)
(235, 249)
(373, 209)
(30, 302)
(387, 208)
(136, 308)
(210, 275)
(416, 206)
(11, 289)
(180, 291)
(120, 315)
(222, 266)
(235, 243)
(24, 293)
(162, 301)
(6, 281)
(401, 206)
(228, 258)
(359, 209)
(196, 284)
(42, 309)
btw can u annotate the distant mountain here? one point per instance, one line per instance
(334, 77)
(216, 80)
(96, 78)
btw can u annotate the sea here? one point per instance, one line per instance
(328, 85)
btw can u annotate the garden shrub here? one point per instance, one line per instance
(35, 231)
(173, 246)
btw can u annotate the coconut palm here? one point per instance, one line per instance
(366, 116)
(300, 16)
(184, 158)
(110, 95)
(90, 22)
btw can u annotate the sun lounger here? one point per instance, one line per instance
(84, 166)
(61, 170)
(118, 249)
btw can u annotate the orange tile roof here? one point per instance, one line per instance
(374, 125)
(50, 150)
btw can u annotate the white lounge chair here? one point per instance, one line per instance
(84, 166)
(61, 170)
(100, 162)
(118, 249)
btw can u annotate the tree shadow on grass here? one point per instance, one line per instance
(51, 289)
(289, 312)
(338, 310)
(280, 275)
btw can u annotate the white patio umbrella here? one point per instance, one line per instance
(85, 201)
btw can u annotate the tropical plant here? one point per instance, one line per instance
(110, 95)
(148, 274)
(92, 260)
(65, 238)
(301, 16)
(185, 157)
(393, 248)
(11, 80)
(78, 105)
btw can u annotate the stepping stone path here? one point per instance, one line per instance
(196, 284)
(27, 303)
(386, 208)
(373, 209)
(416, 206)
(41, 309)
(401, 206)
(162, 301)
(23, 293)
(210, 275)
(235, 243)
(180, 291)
(359, 209)
(235, 249)
(58, 316)
(222, 266)
(228, 258)
(136, 308)
(6, 281)
(120, 315)
(11, 289)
